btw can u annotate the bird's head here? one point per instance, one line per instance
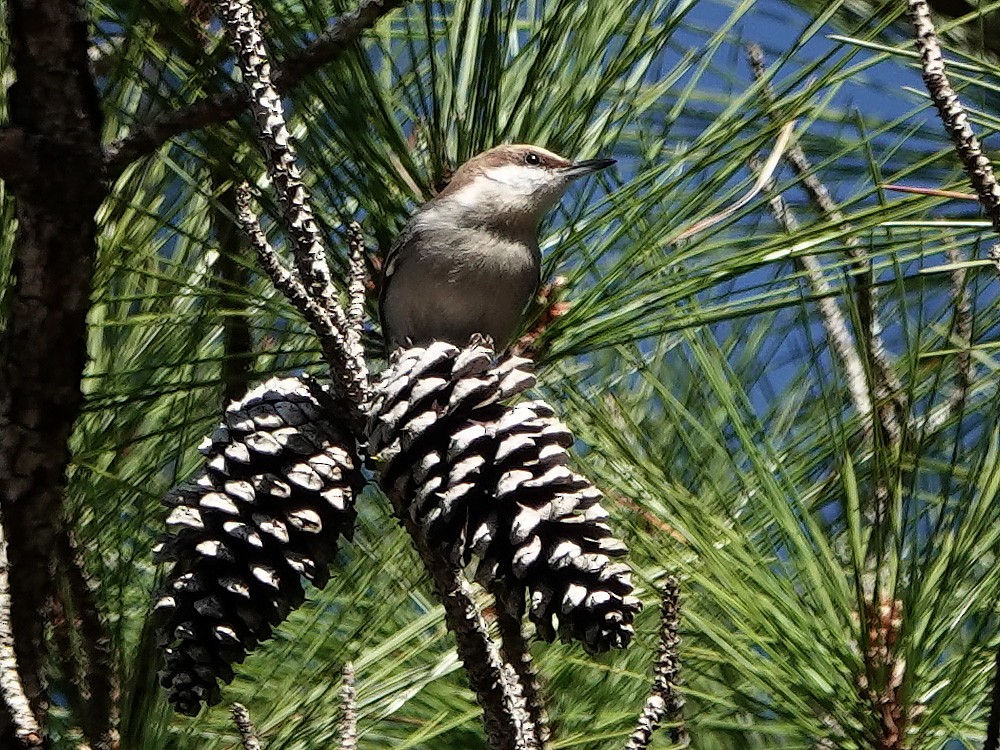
(512, 185)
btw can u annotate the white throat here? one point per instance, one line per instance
(509, 194)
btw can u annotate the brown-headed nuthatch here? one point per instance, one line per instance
(468, 261)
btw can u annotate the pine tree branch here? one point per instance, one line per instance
(503, 713)
(330, 336)
(356, 289)
(231, 279)
(26, 727)
(279, 152)
(348, 711)
(327, 47)
(881, 683)
(980, 171)
(956, 121)
(248, 733)
(479, 656)
(345, 354)
(663, 700)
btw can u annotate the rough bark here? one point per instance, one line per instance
(54, 106)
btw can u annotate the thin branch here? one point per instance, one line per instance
(348, 711)
(348, 362)
(887, 386)
(279, 152)
(357, 289)
(956, 121)
(881, 683)
(837, 332)
(993, 722)
(497, 689)
(331, 44)
(26, 727)
(496, 692)
(980, 171)
(515, 652)
(479, 655)
(663, 700)
(330, 335)
(248, 734)
(962, 300)
(231, 278)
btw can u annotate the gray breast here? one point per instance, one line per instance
(449, 284)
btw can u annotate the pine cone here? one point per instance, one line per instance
(482, 478)
(268, 509)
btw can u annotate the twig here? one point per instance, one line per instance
(663, 700)
(514, 649)
(993, 722)
(955, 402)
(956, 121)
(248, 734)
(888, 389)
(496, 693)
(231, 278)
(357, 289)
(881, 683)
(479, 655)
(347, 360)
(525, 726)
(99, 679)
(837, 332)
(348, 711)
(279, 152)
(26, 726)
(331, 44)
(495, 684)
(977, 167)
(331, 337)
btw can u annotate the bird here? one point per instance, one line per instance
(467, 261)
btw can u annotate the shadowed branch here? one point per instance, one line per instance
(341, 33)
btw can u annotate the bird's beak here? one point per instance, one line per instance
(585, 167)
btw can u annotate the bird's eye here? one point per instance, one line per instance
(532, 159)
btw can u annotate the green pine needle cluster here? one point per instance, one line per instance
(837, 586)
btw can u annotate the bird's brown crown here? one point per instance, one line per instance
(499, 156)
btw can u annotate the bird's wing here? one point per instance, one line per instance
(392, 260)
